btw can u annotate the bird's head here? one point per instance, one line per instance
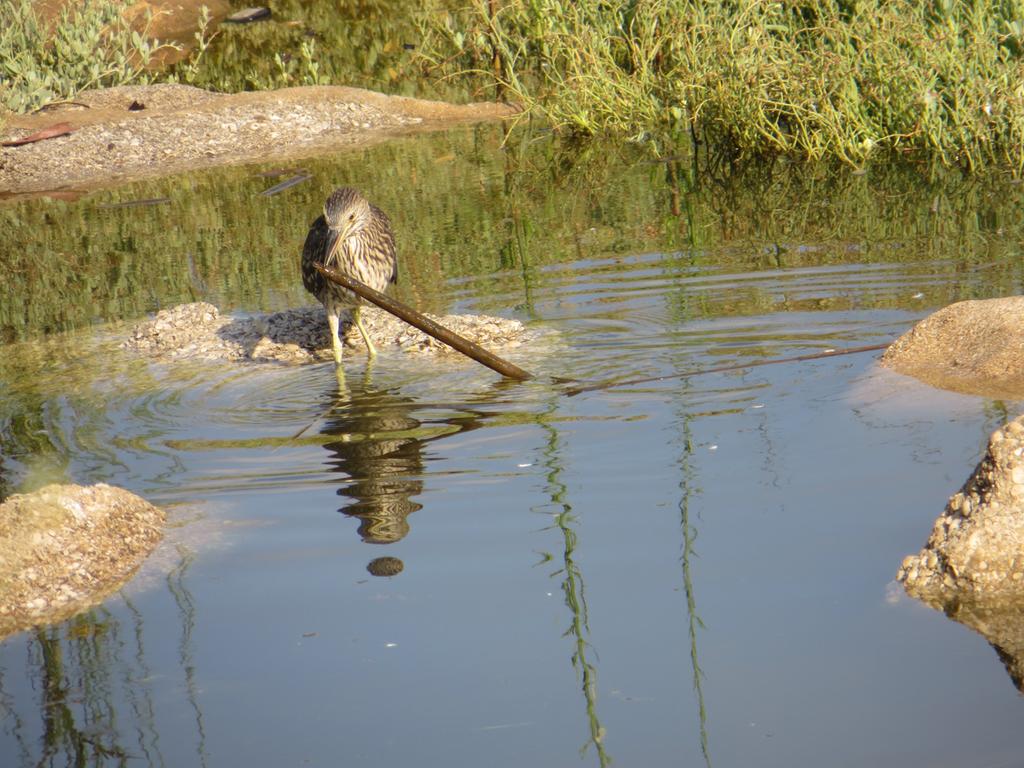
(346, 212)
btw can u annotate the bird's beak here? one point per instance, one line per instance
(334, 239)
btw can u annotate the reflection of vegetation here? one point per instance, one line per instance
(186, 651)
(78, 714)
(54, 409)
(462, 208)
(573, 590)
(95, 690)
(686, 488)
(61, 732)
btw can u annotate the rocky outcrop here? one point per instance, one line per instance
(976, 547)
(65, 548)
(974, 347)
(972, 566)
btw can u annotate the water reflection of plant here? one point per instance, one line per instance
(465, 208)
(687, 487)
(186, 651)
(573, 588)
(95, 700)
(55, 410)
(78, 713)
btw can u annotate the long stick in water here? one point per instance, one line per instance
(428, 326)
(600, 385)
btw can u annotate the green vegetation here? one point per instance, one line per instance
(103, 43)
(846, 79)
(812, 78)
(88, 46)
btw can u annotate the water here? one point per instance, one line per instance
(692, 571)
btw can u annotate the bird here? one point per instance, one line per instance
(352, 236)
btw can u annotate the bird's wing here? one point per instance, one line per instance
(383, 223)
(313, 251)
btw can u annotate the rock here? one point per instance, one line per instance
(977, 543)
(198, 331)
(65, 548)
(975, 347)
(972, 566)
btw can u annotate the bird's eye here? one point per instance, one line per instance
(351, 217)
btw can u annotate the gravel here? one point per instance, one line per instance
(199, 332)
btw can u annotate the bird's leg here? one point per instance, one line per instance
(370, 349)
(332, 322)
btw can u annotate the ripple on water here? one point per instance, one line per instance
(196, 430)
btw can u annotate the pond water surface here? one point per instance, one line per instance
(694, 571)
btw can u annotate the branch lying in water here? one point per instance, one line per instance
(505, 368)
(428, 326)
(573, 391)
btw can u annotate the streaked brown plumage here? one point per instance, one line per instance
(353, 237)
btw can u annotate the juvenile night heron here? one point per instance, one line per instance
(354, 237)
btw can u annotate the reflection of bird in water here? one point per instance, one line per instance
(355, 238)
(378, 446)
(378, 450)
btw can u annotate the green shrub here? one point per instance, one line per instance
(816, 78)
(90, 45)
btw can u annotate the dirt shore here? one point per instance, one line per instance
(132, 132)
